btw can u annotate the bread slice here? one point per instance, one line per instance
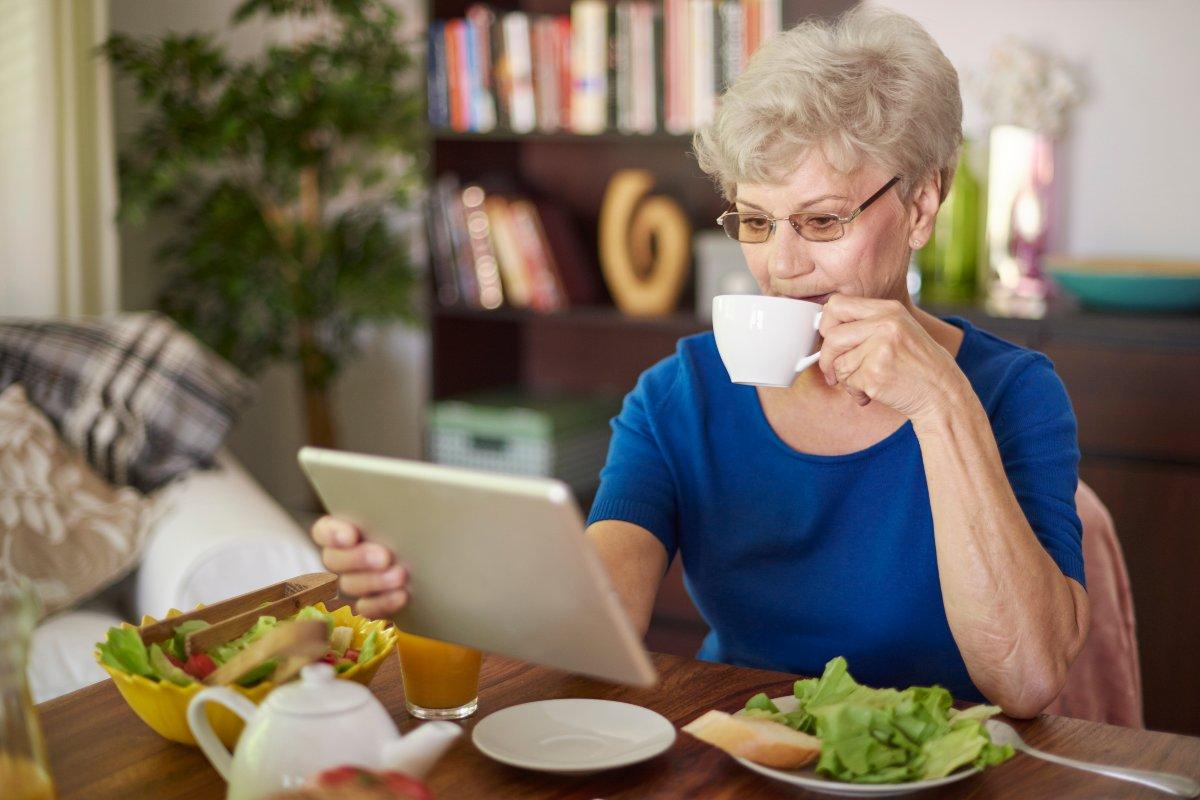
(762, 741)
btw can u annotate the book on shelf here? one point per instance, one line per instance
(634, 66)
(491, 249)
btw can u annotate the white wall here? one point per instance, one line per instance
(29, 253)
(1130, 161)
(379, 402)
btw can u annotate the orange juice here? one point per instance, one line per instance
(23, 779)
(438, 675)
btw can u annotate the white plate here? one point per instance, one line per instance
(573, 736)
(809, 779)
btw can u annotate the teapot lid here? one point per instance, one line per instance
(318, 692)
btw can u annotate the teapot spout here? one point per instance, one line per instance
(416, 753)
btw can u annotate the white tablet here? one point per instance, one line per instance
(498, 562)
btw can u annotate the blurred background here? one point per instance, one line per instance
(425, 233)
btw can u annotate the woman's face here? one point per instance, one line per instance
(870, 260)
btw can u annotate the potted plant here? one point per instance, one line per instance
(287, 172)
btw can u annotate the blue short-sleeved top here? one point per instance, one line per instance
(794, 558)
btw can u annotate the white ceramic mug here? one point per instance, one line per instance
(765, 341)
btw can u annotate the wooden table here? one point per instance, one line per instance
(99, 749)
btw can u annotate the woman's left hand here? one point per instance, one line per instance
(876, 350)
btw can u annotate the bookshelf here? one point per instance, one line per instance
(590, 348)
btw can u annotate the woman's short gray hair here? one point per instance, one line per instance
(872, 85)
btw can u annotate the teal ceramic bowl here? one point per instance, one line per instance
(1172, 286)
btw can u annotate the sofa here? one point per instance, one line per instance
(219, 535)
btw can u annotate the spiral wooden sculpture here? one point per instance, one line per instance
(644, 245)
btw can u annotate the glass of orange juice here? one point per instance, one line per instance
(441, 680)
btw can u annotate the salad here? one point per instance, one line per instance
(884, 735)
(124, 650)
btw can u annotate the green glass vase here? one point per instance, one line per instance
(949, 261)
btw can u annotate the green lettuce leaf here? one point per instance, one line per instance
(369, 649)
(123, 649)
(175, 645)
(312, 612)
(224, 652)
(873, 735)
(256, 675)
(166, 670)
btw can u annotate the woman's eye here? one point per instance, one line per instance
(822, 222)
(755, 223)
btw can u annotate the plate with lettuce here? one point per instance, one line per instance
(879, 742)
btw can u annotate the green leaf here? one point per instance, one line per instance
(762, 702)
(873, 735)
(369, 649)
(223, 653)
(256, 675)
(123, 649)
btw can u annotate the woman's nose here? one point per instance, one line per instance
(789, 257)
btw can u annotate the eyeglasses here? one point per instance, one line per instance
(753, 227)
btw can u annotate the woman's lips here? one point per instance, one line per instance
(817, 298)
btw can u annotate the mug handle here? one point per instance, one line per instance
(809, 360)
(212, 747)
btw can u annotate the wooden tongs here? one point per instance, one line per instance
(231, 618)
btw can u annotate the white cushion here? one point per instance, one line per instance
(60, 656)
(220, 535)
(223, 536)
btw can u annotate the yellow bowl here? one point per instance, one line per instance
(163, 706)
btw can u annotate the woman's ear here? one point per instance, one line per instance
(926, 200)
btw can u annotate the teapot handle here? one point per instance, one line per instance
(212, 747)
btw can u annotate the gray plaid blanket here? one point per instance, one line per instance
(141, 398)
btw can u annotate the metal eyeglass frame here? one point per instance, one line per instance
(796, 220)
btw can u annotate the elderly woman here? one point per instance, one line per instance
(908, 502)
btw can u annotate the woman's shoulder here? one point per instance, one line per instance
(681, 375)
(999, 369)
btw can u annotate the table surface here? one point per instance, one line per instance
(99, 749)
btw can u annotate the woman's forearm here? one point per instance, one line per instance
(1016, 619)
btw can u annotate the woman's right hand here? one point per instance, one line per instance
(365, 570)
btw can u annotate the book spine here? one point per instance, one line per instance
(517, 45)
(770, 19)
(513, 270)
(701, 62)
(456, 225)
(441, 252)
(435, 76)
(563, 60)
(659, 66)
(454, 77)
(479, 20)
(545, 294)
(501, 78)
(487, 270)
(750, 30)
(470, 75)
(589, 47)
(553, 291)
(731, 39)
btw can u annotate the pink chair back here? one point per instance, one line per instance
(1105, 682)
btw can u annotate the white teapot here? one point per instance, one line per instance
(305, 727)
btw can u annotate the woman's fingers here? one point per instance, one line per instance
(846, 308)
(844, 337)
(333, 532)
(366, 557)
(362, 584)
(381, 606)
(846, 370)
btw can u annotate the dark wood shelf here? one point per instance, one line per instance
(609, 137)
